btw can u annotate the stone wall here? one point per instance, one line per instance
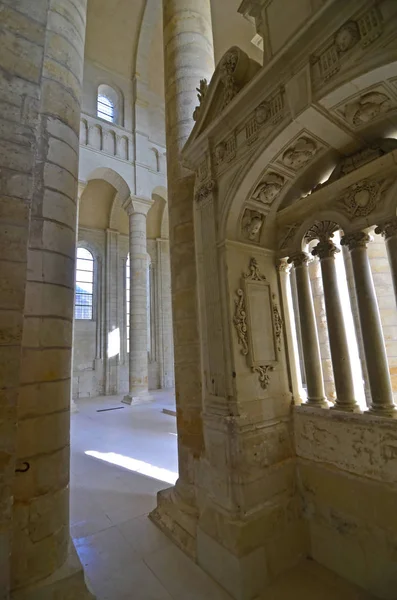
(347, 467)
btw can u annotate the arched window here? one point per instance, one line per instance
(83, 308)
(105, 108)
(127, 299)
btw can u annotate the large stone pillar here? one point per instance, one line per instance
(343, 376)
(137, 209)
(389, 231)
(310, 344)
(371, 327)
(43, 561)
(189, 57)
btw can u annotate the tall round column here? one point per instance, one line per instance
(188, 58)
(137, 210)
(389, 231)
(340, 357)
(371, 327)
(310, 344)
(289, 325)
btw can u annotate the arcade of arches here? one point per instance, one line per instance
(201, 195)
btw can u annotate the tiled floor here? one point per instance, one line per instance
(124, 555)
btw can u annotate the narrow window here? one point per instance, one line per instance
(105, 108)
(84, 284)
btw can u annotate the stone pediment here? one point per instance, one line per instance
(232, 73)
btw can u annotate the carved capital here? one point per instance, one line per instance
(283, 266)
(357, 239)
(299, 259)
(325, 249)
(135, 205)
(388, 229)
(205, 190)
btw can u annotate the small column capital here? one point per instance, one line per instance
(388, 228)
(284, 266)
(299, 258)
(356, 239)
(325, 249)
(135, 205)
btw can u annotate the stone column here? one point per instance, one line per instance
(371, 327)
(289, 326)
(44, 564)
(310, 344)
(389, 231)
(137, 209)
(189, 57)
(343, 375)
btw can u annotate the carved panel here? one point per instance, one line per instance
(299, 153)
(251, 225)
(225, 151)
(367, 107)
(287, 234)
(258, 323)
(360, 199)
(269, 188)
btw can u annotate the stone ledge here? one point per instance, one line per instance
(67, 583)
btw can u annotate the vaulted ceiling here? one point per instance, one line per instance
(114, 27)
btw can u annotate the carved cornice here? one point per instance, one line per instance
(388, 228)
(357, 239)
(264, 374)
(254, 273)
(240, 321)
(298, 259)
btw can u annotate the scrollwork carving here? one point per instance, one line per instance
(278, 324)
(254, 273)
(240, 321)
(205, 190)
(264, 374)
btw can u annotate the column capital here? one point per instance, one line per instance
(325, 249)
(284, 266)
(299, 258)
(388, 228)
(136, 205)
(356, 239)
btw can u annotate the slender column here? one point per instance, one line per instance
(137, 210)
(371, 327)
(289, 326)
(310, 344)
(343, 375)
(389, 231)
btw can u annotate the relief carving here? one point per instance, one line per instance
(268, 190)
(347, 36)
(300, 153)
(227, 68)
(205, 190)
(287, 235)
(202, 91)
(361, 198)
(240, 321)
(278, 324)
(366, 108)
(252, 224)
(322, 231)
(225, 151)
(254, 273)
(264, 374)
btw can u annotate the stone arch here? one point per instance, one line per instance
(361, 77)
(123, 190)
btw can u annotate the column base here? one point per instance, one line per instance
(350, 408)
(389, 412)
(66, 583)
(177, 520)
(135, 398)
(317, 403)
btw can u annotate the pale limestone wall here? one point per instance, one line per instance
(92, 369)
(347, 469)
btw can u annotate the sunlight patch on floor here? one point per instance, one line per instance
(138, 466)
